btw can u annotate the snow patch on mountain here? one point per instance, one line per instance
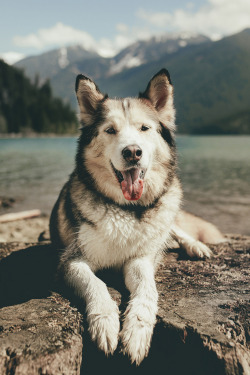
(182, 43)
(127, 62)
(144, 51)
(63, 58)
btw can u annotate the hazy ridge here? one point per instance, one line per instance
(211, 79)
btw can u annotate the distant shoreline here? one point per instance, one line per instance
(36, 135)
(67, 135)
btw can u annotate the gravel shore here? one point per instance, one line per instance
(27, 230)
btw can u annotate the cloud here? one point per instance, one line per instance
(61, 35)
(216, 19)
(11, 57)
(57, 35)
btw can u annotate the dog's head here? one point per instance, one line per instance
(127, 148)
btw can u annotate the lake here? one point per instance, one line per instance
(214, 170)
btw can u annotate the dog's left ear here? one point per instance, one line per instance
(160, 93)
(89, 96)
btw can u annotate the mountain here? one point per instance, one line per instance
(63, 83)
(62, 65)
(211, 79)
(29, 107)
(48, 64)
(146, 51)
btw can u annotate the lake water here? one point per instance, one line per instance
(215, 173)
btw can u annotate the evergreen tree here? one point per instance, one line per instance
(27, 107)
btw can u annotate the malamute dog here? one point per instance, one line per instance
(121, 208)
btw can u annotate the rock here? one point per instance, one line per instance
(41, 336)
(202, 324)
(206, 304)
(40, 333)
(44, 236)
(6, 202)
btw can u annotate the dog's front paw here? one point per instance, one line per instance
(198, 249)
(104, 326)
(136, 334)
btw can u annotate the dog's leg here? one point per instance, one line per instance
(102, 310)
(140, 315)
(192, 247)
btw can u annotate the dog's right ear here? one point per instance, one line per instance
(88, 96)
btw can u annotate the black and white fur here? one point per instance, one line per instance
(98, 223)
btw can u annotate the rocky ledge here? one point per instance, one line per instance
(202, 325)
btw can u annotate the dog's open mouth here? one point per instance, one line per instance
(131, 182)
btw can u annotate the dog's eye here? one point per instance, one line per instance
(144, 128)
(110, 130)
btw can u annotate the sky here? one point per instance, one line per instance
(30, 27)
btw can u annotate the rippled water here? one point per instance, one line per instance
(215, 172)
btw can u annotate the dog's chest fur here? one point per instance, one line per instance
(119, 234)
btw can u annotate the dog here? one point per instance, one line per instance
(121, 208)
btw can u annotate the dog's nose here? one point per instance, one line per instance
(132, 153)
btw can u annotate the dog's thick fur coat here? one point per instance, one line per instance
(121, 208)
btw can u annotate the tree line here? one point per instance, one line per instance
(31, 107)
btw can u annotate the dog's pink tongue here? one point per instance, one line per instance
(132, 185)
